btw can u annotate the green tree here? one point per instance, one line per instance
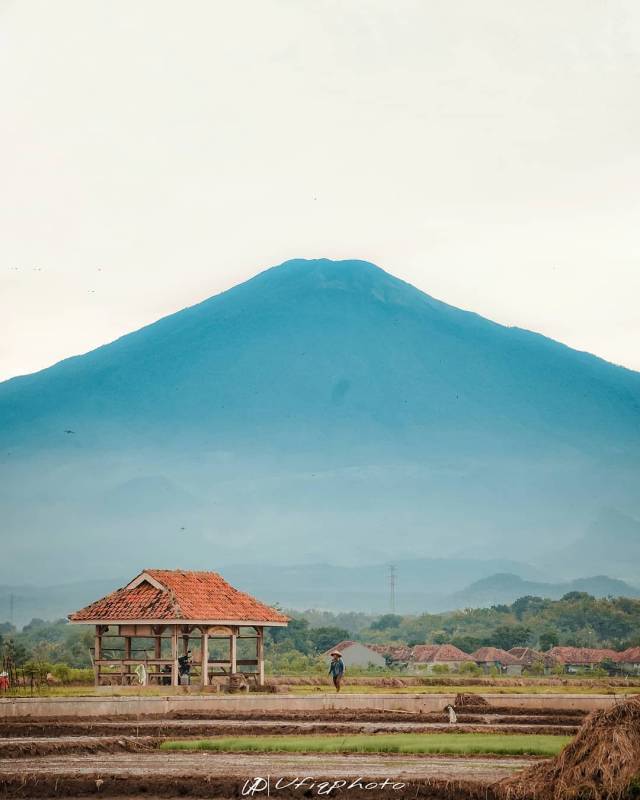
(548, 639)
(530, 604)
(508, 636)
(386, 621)
(468, 644)
(295, 636)
(324, 638)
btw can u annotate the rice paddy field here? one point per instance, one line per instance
(458, 744)
(339, 748)
(306, 685)
(573, 687)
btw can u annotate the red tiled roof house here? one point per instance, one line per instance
(488, 657)
(574, 659)
(530, 659)
(629, 660)
(427, 656)
(159, 605)
(397, 655)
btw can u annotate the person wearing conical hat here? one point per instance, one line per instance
(336, 668)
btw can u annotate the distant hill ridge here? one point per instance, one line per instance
(324, 586)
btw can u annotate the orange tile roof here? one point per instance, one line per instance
(395, 652)
(630, 656)
(583, 655)
(527, 656)
(486, 655)
(433, 653)
(343, 645)
(182, 595)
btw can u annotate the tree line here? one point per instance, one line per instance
(578, 619)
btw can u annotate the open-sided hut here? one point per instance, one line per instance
(166, 611)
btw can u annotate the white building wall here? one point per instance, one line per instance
(358, 655)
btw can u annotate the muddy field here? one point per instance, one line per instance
(224, 774)
(198, 724)
(120, 756)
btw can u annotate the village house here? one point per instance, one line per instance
(424, 657)
(145, 627)
(574, 659)
(495, 658)
(531, 659)
(394, 655)
(628, 661)
(355, 654)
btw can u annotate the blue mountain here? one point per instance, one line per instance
(320, 411)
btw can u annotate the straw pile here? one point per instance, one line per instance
(598, 764)
(467, 699)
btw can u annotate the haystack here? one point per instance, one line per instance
(468, 699)
(598, 764)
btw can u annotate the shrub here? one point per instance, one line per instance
(61, 672)
(599, 672)
(470, 668)
(536, 667)
(36, 670)
(80, 675)
(440, 669)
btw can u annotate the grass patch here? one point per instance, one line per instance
(462, 743)
(355, 688)
(92, 691)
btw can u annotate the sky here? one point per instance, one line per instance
(155, 153)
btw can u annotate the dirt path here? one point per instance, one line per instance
(354, 722)
(217, 727)
(465, 714)
(218, 775)
(45, 746)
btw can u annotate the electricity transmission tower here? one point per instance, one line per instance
(392, 588)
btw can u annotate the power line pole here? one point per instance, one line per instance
(392, 588)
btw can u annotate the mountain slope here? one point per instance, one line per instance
(505, 588)
(343, 342)
(325, 408)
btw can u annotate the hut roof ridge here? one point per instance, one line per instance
(157, 594)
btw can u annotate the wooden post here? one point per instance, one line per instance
(175, 680)
(97, 654)
(205, 656)
(260, 655)
(126, 668)
(157, 649)
(233, 651)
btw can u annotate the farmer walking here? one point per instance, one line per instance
(336, 668)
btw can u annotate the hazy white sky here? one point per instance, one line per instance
(153, 153)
